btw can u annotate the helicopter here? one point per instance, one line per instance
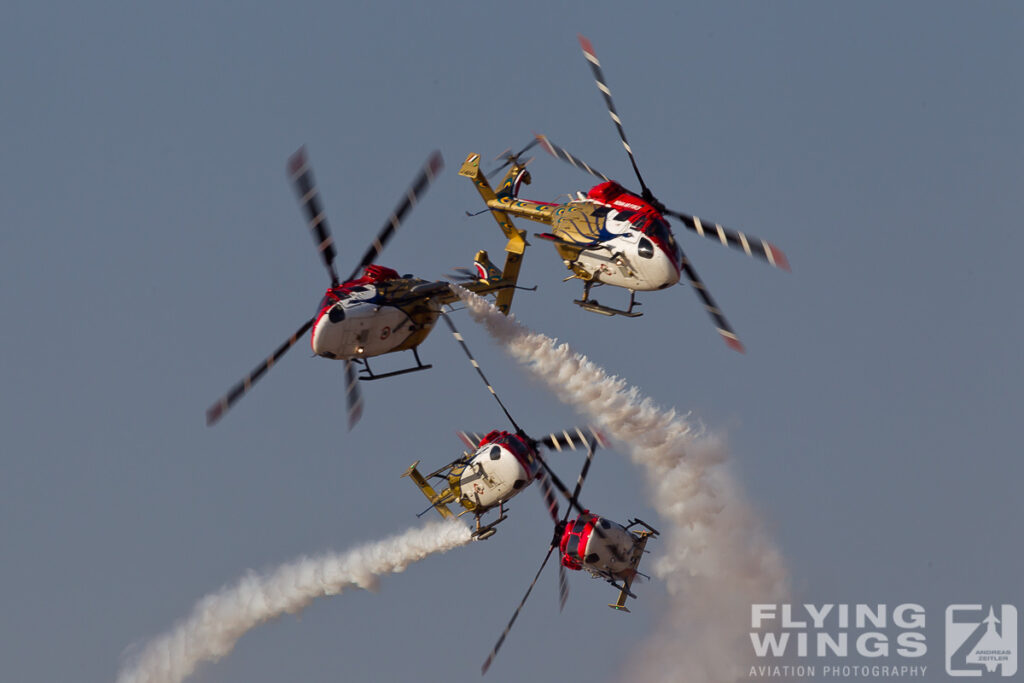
(603, 548)
(374, 311)
(498, 466)
(612, 235)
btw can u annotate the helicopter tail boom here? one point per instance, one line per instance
(436, 501)
(516, 239)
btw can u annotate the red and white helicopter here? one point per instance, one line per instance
(373, 311)
(612, 235)
(498, 466)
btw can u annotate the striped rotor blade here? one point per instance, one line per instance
(573, 499)
(591, 448)
(560, 486)
(550, 500)
(504, 634)
(305, 186)
(563, 154)
(572, 439)
(353, 396)
(217, 410)
(426, 176)
(710, 306)
(472, 361)
(595, 66)
(465, 438)
(753, 246)
(563, 588)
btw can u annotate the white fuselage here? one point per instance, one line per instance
(599, 556)
(356, 327)
(624, 255)
(632, 261)
(493, 476)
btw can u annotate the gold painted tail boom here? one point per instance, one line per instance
(516, 245)
(436, 501)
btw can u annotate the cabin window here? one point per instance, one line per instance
(495, 452)
(645, 248)
(518, 484)
(336, 314)
(605, 524)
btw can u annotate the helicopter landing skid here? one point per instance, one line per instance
(366, 374)
(594, 307)
(488, 530)
(588, 304)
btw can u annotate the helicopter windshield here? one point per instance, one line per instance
(659, 230)
(330, 298)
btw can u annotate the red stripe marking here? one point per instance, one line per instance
(734, 344)
(780, 259)
(297, 160)
(436, 163)
(585, 44)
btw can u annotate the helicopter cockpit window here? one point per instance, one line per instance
(639, 221)
(605, 524)
(495, 452)
(645, 248)
(659, 230)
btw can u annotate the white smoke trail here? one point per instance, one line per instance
(716, 560)
(220, 619)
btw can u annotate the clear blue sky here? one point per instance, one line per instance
(152, 252)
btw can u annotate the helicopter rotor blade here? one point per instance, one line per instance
(471, 439)
(504, 634)
(472, 361)
(563, 582)
(464, 275)
(753, 246)
(574, 498)
(563, 587)
(550, 500)
(560, 486)
(591, 448)
(710, 306)
(217, 410)
(556, 441)
(353, 395)
(563, 154)
(305, 186)
(512, 158)
(595, 66)
(426, 176)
